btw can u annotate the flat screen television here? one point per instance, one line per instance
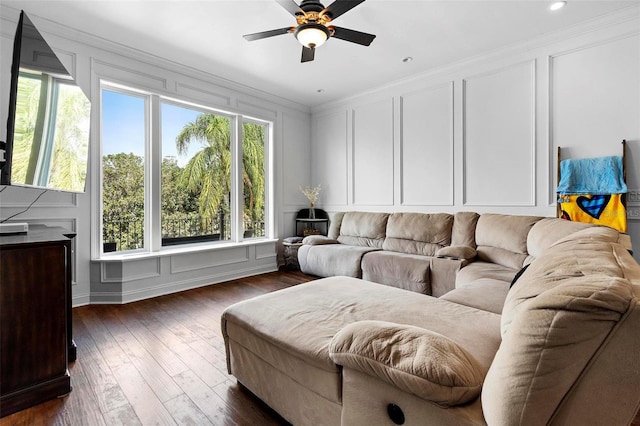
(48, 122)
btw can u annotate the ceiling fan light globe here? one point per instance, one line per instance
(312, 35)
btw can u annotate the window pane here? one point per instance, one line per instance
(196, 176)
(123, 147)
(253, 178)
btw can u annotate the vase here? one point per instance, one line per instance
(312, 212)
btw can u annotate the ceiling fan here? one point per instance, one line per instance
(312, 28)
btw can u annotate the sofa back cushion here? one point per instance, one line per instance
(464, 229)
(554, 324)
(335, 224)
(549, 230)
(418, 233)
(502, 239)
(363, 229)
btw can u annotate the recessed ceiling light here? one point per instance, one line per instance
(320, 90)
(557, 5)
(407, 59)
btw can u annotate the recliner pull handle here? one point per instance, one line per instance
(395, 414)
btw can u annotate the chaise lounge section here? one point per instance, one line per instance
(558, 347)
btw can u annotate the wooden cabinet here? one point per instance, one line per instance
(36, 342)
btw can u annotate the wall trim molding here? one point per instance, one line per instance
(532, 65)
(450, 85)
(176, 286)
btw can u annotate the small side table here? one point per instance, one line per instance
(291, 255)
(306, 227)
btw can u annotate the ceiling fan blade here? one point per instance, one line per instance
(308, 54)
(339, 7)
(265, 34)
(353, 36)
(291, 7)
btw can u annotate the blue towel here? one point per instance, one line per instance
(596, 176)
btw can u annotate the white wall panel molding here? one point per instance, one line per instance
(427, 146)
(594, 101)
(263, 110)
(265, 251)
(16, 197)
(372, 164)
(208, 259)
(295, 159)
(330, 156)
(133, 294)
(499, 137)
(128, 75)
(199, 90)
(123, 271)
(595, 43)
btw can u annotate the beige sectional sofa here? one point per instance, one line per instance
(419, 251)
(561, 346)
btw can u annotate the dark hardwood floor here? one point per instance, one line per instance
(159, 361)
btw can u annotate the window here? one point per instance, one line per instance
(196, 175)
(253, 166)
(124, 135)
(172, 183)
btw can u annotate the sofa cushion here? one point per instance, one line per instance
(477, 270)
(554, 324)
(418, 233)
(318, 240)
(463, 232)
(457, 252)
(502, 239)
(326, 260)
(422, 362)
(547, 231)
(363, 229)
(486, 294)
(405, 271)
(335, 224)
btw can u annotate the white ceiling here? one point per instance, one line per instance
(207, 35)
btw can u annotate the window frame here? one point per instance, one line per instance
(153, 174)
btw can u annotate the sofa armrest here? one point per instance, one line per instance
(419, 361)
(457, 252)
(316, 240)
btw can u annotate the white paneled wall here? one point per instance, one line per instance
(595, 100)
(499, 109)
(482, 134)
(330, 156)
(373, 153)
(426, 146)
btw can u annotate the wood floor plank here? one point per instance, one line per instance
(209, 402)
(146, 365)
(186, 413)
(81, 403)
(149, 409)
(108, 393)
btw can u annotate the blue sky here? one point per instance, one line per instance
(123, 126)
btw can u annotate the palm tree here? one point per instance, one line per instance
(253, 170)
(209, 170)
